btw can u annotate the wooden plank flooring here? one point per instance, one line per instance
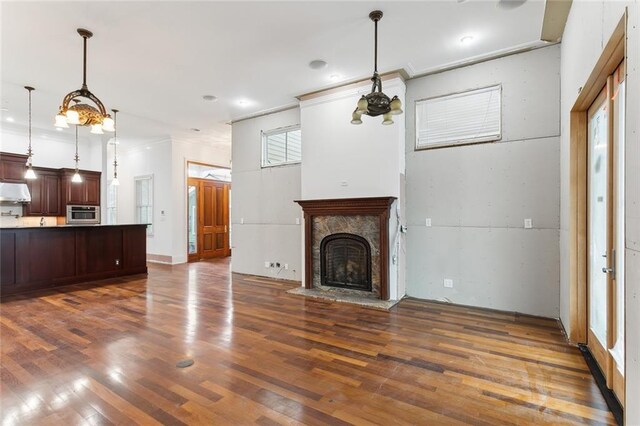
(107, 355)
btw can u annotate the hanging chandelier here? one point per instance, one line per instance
(376, 103)
(83, 114)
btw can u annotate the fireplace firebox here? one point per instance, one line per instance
(345, 261)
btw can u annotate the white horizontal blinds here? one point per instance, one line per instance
(294, 146)
(472, 116)
(282, 147)
(276, 148)
(144, 202)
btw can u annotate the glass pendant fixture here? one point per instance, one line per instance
(115, 181)
(84, 114)
(76, 176)
(376, 103)
(29, 173)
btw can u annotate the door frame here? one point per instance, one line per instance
(194, 257)
(613, 54)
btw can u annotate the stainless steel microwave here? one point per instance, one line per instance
(77, 215)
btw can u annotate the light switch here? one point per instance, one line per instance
(448, 283)
(427, 222)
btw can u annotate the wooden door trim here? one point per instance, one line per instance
(612, 55)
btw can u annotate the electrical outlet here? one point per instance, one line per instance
(297, 221)
(266, 264)
(242, 221)
(286, 266)
(528, 224)
(427, 222)
(448, 283)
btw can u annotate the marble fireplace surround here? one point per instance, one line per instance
(366, 217)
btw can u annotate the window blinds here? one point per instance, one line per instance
(469, 117)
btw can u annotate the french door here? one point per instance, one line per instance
(605, 337)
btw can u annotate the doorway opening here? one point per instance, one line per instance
(208, 204)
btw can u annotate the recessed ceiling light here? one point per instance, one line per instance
(244, 102)
(509, 4)
(10, 119)
(466, 40)
(209, 98)
(317, 64)
(335, 77)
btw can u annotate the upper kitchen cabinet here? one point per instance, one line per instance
(86, 192)
(12, 167)
(45, 194)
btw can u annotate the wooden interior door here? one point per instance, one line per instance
(605, 287)
(212, 218)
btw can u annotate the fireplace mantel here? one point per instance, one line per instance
(372, 206)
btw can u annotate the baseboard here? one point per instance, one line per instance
(609, 396)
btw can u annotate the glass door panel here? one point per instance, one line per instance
(192, 220)
(598, 221)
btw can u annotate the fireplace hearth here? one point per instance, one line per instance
(345, 261)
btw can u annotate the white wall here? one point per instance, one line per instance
(588, 29)
(155, 160)
(263, 211)
(342, 160)
(478, 196)
(183, 151)
(53, 150)
(166, 160)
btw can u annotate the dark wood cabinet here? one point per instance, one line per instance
(12, 167)
(41, 258)
(45, 194)
(86, 192)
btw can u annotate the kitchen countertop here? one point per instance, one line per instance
(70, 226)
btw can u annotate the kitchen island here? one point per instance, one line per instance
(34, 258)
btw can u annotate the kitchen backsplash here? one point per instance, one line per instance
(13, 221)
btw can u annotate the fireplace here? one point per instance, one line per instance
(347, 247)
(345, 261)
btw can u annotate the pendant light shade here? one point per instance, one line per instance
(61, 121)
(29, 174)
(73, 117)
(76, 177)
(96, 129)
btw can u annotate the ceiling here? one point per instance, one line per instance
(155, 60)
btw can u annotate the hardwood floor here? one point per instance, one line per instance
(107, 355)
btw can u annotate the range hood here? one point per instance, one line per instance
(14, 193)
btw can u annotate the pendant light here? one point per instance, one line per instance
(376, 103)
(115, 181)
(29, 174)
(84, 114)
(76, 176)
